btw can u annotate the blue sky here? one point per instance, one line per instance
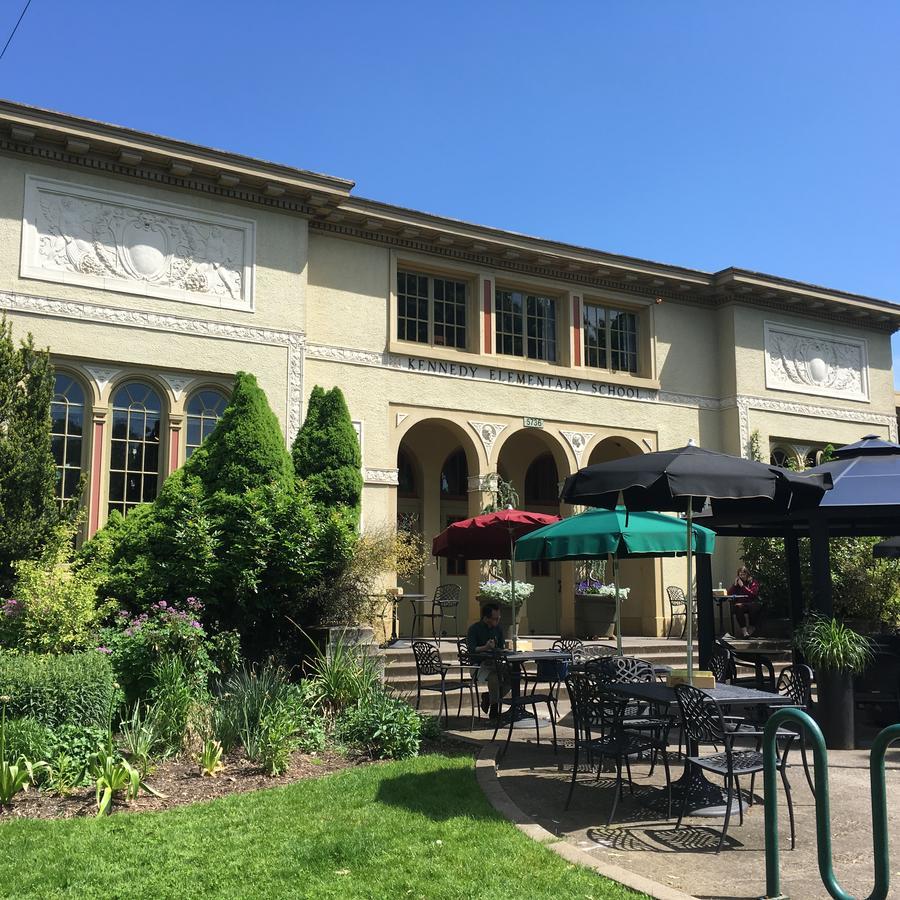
(705, 134)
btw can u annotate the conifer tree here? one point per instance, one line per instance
(29, 510)
(326, 453)
(247, 449)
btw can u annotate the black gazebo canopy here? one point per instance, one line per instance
(865, 501)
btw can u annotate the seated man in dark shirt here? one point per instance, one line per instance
(482, 637)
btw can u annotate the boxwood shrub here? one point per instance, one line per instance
(70, 688)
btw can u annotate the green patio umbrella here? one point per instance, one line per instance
(616, 533)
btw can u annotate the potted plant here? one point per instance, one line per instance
(595, 607)
(500, 591)
(836, 653)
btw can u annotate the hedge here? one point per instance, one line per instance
(71, 688)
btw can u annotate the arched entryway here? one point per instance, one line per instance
(641, 613)
(535, 464)
(434, 461)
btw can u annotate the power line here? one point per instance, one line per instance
(15, 29)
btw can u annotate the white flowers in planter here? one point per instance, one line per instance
(501, 591)
(594, 588)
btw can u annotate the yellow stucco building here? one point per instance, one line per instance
(155, 269)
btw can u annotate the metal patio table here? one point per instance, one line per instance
(704, 797)
(522, 656)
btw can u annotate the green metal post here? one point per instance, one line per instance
(823, 810)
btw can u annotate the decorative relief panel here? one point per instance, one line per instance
(814, 362)
(381, 476)
(97, 238)
(102, 376)
(578, 440)
(488, 432)
(487, 482)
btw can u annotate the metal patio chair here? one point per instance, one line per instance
(429, 663)
(703, 723)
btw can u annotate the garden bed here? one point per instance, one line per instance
(180, 783)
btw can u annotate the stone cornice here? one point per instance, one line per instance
(326, 201)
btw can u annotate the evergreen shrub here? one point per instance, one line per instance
(76, 688)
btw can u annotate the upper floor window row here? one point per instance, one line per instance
(434, 310)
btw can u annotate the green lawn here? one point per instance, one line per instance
(419, 828)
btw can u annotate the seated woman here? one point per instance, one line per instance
(747, 607)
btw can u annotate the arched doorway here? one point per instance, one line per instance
(642, 612)
(535, 464)
(434, 460)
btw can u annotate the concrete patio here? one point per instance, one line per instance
(640, 841)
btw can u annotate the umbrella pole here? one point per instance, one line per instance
(512, 582)
(689, 606)
(618, 604)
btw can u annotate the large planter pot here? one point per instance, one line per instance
(506, 618)
(595, 616)
(834, 708)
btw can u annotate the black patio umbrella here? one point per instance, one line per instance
(889, 549)
(683, 479)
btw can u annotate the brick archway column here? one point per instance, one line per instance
(481, 488)
(98, 447)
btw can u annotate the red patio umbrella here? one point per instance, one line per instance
(490, 536)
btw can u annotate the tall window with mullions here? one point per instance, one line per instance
(526, 325)
(204, 410)
(67, 435)
(610, 339)
(134, 446)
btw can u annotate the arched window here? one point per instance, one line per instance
(812, 459)
(406, 476)
(541, 481)
(455, 476)
(782, 458)
(67, 434)
(134, 448)
(204, 410)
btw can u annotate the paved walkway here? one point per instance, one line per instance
(536, 782)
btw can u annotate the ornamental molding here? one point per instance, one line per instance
(381, 476)
(483, 483)
(346, 355)
(400, 418)
(103, 239)
(693, 400)
(177, 383)
(102, 376)
(292, 341)
(815, 362)
(578, 441)
(488, 432)
(768, 404)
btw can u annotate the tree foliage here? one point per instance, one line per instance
(234, 528)
(29, 510)
(326, 453)
(863, 587)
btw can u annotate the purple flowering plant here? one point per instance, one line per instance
(137, 641)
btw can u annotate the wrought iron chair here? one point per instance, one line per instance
(467, 664)
(677, 607)
(636, 716)
(763, 677)
(518, 702)
(553, 672)
(703, 723)
(795, 681)
(601, 732)
(721, 662)
(444, 605)
(429, 663)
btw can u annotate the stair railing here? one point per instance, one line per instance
(823, 810)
